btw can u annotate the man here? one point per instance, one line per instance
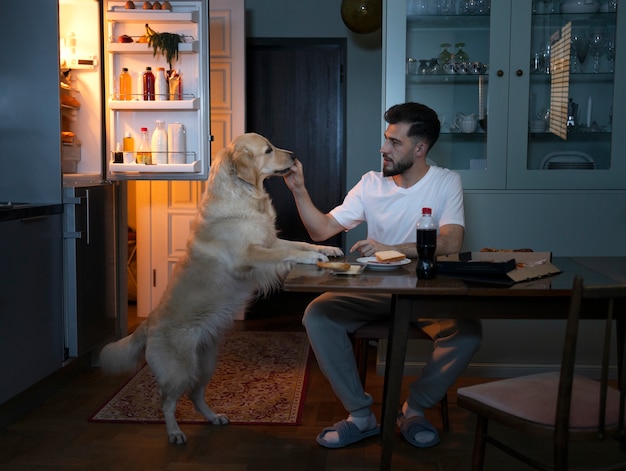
(390, 202)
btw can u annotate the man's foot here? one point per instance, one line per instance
(346, 432)
(416, 429)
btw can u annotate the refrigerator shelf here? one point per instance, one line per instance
(139, 105)
(144, 48)
(146, 16)
(193, 167)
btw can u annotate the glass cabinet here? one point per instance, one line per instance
(525, 90)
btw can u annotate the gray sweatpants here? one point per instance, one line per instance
(331, 317)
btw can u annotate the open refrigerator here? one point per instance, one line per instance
(94, 46)
(96, 118)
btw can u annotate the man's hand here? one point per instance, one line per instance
(295, 178)
(368, 247)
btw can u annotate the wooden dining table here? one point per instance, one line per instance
(448, 296)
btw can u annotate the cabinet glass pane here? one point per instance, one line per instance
(447, 45)
(571, 88)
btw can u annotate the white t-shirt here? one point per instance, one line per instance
(391, 212)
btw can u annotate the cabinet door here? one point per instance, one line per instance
(447, 60)
(31, 317)
(563, 100)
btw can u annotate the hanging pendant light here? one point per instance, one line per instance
(362, 16)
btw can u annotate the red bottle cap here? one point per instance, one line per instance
(144, 129)
(427, 211)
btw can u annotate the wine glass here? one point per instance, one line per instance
(597, 43)
(461, 55)
(581, 45)
(610, 52)
(444, 56)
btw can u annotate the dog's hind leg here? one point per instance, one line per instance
(174, 433)
(197, 397)
(206, 368)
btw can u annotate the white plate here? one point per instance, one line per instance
(371, 262)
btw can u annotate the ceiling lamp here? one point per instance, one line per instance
(362, 16)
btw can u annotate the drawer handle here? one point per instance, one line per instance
(519, 72)
(500, 73)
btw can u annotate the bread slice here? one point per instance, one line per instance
(387, 256)
(338, 266)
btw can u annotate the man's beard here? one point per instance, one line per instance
(398, 167)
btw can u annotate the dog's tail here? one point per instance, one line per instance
(127, 354)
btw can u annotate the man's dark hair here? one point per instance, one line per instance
(423, 120)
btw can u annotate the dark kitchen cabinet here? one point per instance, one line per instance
(31, 301)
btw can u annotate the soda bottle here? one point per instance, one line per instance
(144, 154)
(148, 84)
(426, 244)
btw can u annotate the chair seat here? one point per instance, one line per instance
(534, 398)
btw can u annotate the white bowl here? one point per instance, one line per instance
(580, 6)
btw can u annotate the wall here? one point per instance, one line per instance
(322, 19)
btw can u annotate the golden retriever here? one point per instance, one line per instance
(233, 253)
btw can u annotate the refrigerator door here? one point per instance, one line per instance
(93, 53)
(186, 106)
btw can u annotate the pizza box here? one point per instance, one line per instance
(506, 267)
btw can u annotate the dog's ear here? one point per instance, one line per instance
(243, 162)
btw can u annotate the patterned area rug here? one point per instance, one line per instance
(260, 379)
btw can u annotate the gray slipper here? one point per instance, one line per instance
(416, 424)
(348, 434)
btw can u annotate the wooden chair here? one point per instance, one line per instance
(561, 404)
(378, 331)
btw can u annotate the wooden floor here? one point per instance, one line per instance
(57, 436)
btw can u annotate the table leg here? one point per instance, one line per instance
(394, 371)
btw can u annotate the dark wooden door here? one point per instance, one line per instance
(295, 96)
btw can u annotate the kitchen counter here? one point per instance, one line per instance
(13, 211)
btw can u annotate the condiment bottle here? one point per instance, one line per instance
(118, 156)
(129, 148)
(426, 244)
(148, 84)
(159, 143)
(144, 154)
(161, 86)
(126, 85)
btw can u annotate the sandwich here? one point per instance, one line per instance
(338, 266)
(388, 256)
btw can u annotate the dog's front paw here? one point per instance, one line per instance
(330, 251)
(308, 258)
(220, 419)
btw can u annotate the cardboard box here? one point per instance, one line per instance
(498, 267)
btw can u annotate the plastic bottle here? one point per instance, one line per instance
(144, 154)
(126, 85)
(426, 243)
(160, 84)
(128, 146)
(159, 143)
(148, 84)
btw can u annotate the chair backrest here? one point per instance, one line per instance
(597, 302)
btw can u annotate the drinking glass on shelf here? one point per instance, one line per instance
(597, 43)
(461, 55)
(610, 52)
(444, 56)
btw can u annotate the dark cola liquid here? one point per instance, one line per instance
(426, 246)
